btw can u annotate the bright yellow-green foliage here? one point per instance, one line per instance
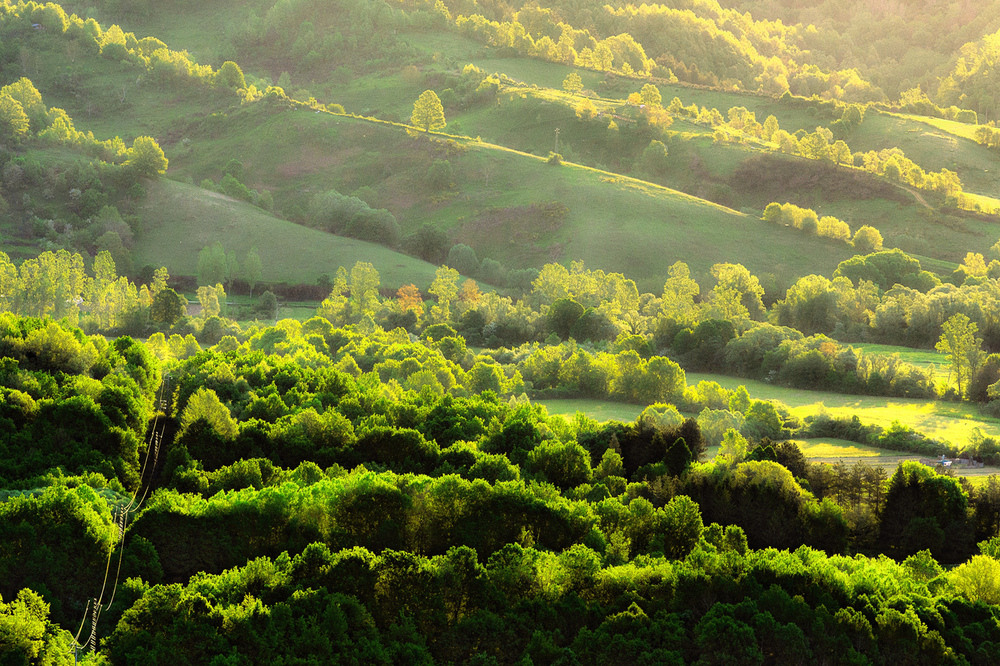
(205, 405)
(650, 95)
(13, 120)
(428, 113)
(973, 81)
(445, 288)
(147, 157)
(867, 239)
(632, 40)
(978, 579)
(962, 347)
(806, 219)
(56, 284)
(572, 83)
(950, 421)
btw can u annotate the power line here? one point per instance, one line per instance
(120, 520)
(121, 553)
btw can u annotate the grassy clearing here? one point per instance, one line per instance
(624, 224)
(949, 421)
(825, 450)
(928, 359)
(932, 143)
(240, 309)
(299, 310)
(833, 451)
(600, 410)
(702, 167)
(837, 450)
(615, 223)
(963, 130)
(181, 219)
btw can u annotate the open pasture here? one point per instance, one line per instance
(601, 410)
(926, 359)
(949, 421)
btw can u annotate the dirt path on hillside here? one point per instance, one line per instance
(919, 197)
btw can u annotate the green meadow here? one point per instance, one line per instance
(951, 421)
(601, 410)
(927, 359)
(181, 219)
(825, 450)
(612, 222)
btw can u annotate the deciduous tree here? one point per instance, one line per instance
(167, 307)
(650, 96)
(428, 113)
(445, 287)
(13, 120)
(867, 239)
(147, 157)
(252, 270)
(962, 347)
(572, 83)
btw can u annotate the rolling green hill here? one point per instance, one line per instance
(613, 222)
(179, 220)
(602, 206)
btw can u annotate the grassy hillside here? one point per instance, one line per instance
(503, 200)
(609, 221)
(179, 220)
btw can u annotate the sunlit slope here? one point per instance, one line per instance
(511, 206)
(179, 220)
(507, 205)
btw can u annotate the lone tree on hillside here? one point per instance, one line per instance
(428, 113)
(867, 240)
(572, 83)
(231, 76)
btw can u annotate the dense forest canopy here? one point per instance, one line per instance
(290, 492)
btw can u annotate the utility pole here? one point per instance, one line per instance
(557, 141)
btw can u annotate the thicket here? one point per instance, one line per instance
(609, 330)
(953, 68)
(614, 339)
(705, 44)
(73, 401)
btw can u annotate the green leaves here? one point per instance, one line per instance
(146, 157)
(963, 349)
(205, 405)
(428, 113)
